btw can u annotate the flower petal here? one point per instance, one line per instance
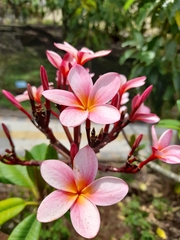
(67, 47)
(58, 175)
(106, 191)
(133, 83)
(154, 137)
(104, 88)
(55, 205)
(54, 58)
(104, 114)
(147, 118)
(84, 56)
(61, 97)
(85, 167)
(73, 117)
(85, 217)
(165, 139)
(80, 82)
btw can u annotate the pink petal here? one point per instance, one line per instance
(154, 137)
(58, 175)
(133, 83)
(54, 59)
(104, 114)
(61, 97)
(88, 56)
(55, 205)
(80, 82)
(22, 97)
(165, 139)
(85, 217)
(67, 47)
(85, 167)
(73, 117)
(106, 191)
(171, 159)
(104, 88)
(147, 118)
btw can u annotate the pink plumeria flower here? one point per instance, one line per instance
(37, 93)
(144, 114)
(133, 83)
(139, 111)
(163, 150)
(83, 55)
(78, 191)
(87, 101)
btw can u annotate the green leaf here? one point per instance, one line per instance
(15, 174)
(128, 53)
(178, 104)
(10, 208)
(51, 153)
(38, 152)
(170, 50)
(28, 229)
(170, 123)
(128, 4)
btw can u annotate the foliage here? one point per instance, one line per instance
(137, 220)
(152, 44)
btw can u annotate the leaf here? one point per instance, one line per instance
(170, 50)
(51, 153)
(42, 152)
(28, 229)
(38, 152)
(15, 174)
(10, 208)
(170, 123)
(128, 4)
(161, 233)
(178, 104)
(177, 18)
(127, 54)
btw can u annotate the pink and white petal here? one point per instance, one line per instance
(80, 82)
(106, 191)
(133, 83)
(73, 116)
(104, 89)
(55, 205)
(22, 97)
(172, 149)
(171, 159)
(85, 217)
(147, 118)
(85, 167)
(86, 56)
(54, 58)
(61, 97)
(104, 114)
(59, 175)
(154, 137)
(67, 47)
(165, 139)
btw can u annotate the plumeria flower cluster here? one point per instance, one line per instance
(79, 101)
